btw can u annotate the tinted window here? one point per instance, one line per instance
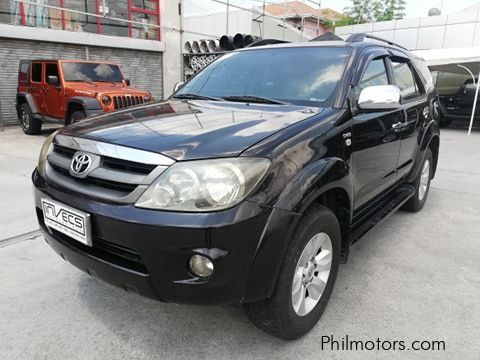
(405, 80)
(76, 71)
(303, 76)
(51, 70)
(37, 72)
(375, 74)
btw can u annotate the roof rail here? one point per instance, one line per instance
(266, 42)
(360, 37)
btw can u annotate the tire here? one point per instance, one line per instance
(278, 314)
(422, 186)
(77, 116)
(29, 124)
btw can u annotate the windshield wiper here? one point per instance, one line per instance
(189, 96)
(86, 81)
(254, 99)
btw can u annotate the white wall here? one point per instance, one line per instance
(460, 29)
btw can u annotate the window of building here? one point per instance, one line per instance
(37, 72)
(405, 80)
(106, 17)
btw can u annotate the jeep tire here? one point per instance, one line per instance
(77, 116)
(279, 315)
(29, 124)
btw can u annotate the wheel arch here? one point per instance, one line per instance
(82, 103)
(327, 183)
(23, 98)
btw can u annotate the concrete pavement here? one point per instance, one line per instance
(417, 277)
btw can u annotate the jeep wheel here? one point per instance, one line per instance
(77, 116)
(306, 279)
(422, 185)
(29, 124)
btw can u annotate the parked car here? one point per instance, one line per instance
(250, 183)
(66, 91)
(459, 104)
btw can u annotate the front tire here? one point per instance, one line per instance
(306, 279)
(421, 184)
(77, 116)
(29, 124)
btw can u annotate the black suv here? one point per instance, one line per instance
(250, 183)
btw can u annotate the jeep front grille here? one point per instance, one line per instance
(122, 174)
(120, 102)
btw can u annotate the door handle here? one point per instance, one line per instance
(397, 125)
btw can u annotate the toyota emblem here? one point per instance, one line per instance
(81, 163)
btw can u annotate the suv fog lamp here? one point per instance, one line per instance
(201, 265)
(106, 100)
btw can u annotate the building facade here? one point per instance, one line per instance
(136, 34)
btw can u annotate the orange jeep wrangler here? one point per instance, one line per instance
(66, 91)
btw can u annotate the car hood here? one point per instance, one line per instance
(103, 87)
(191, 130)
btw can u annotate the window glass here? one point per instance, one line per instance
(51, 70)
(302, 76)
(375, 74)
(405, 80)
(78, 71)
(145, 26)
(23, 74)
(37, 72)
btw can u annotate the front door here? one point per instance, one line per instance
(375, 139)
(54, 103)
(37, 86)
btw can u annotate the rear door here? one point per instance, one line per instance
(415, 105)
(37, 85)
(54, 99)
(375, 143)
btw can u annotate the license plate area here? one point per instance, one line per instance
(71, 222)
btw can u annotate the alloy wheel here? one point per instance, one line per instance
(311, 274)
(424, 178)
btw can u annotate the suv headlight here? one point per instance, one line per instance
(46, 148)
(147, 98)
(204, 185)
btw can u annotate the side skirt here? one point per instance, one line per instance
(380, 211)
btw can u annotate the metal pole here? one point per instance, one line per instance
(474, 105)
(318, 16)
(263, 20)
(284, 17)
(228, 10)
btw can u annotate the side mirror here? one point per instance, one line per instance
(127, 82)
(178, 86)
(379, 97)
(52, 80)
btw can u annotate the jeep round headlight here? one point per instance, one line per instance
(106, 100)
(147, 98)
(204, 185)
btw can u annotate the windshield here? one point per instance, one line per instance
(77, 71)
(302, 76)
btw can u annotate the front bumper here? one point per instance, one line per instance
(147, 251)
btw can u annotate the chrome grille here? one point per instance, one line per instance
(121, 175)
(120, 102)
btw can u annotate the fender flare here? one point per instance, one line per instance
(298, 195)
(28, 98)
(431, 133)
(90, 105)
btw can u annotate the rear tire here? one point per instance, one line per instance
(284, 314)
(29, 124)
(421, 184)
